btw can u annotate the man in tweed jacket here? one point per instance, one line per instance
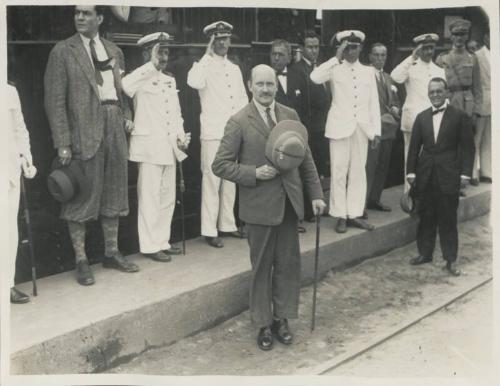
(85, 109)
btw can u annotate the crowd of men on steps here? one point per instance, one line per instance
(351, 113)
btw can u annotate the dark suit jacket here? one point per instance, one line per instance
(387, 98)
(242, 150)
(451, 156)
(72, 98)
(316, 99)
(293, 97)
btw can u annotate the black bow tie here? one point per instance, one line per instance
(437, 111)
(283, 72)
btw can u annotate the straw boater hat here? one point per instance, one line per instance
(287, 145)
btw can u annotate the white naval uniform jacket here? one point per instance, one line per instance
(415, 74)
(158, 121)
(17, 135)
(354, 98)
(222, 93)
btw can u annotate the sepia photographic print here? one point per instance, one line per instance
(233, 193)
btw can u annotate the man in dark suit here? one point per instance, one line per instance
(377, 162)
(88, 117)
(270, 204)
(440, 160)
(316, 100)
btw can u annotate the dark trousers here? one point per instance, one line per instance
(377, 167)
(275, 258)
(437, 211)
(320, 151)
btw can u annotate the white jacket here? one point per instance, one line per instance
(354, 98)
(158, 121)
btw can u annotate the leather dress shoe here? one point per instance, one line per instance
(365, 215)
(280, 330)
(159, 256)
(84, 274)
(377, 205)
(485, 179)
(18, 297)
(215, 242)
(420, 260)
(359, 223)
(452, 269)
(462, 194)
(341, 226)
(173, 251)
(474, 182)
(265, 339)
(301, 229)
(119, 262)
(235, 234)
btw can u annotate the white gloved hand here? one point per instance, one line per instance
(29, 170)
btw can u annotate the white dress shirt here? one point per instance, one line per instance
(107, 91)
(158, 121)
(354, 98)
(415, 74)
(262, 110)
(222, 93)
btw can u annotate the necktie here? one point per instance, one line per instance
(270, 121)
(381, 77)
(437, 111)
(98, 76)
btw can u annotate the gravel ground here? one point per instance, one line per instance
(354, 307)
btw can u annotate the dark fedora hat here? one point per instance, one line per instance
(68, 183)
(408, 201)
(287, 145)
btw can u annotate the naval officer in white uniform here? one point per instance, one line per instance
(156, 144)
(415, 72)
(222, 93)
(353, 120)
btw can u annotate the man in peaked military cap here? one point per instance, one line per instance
(415, 72)
(353, 120)
(156, 144)
(462, 73)
(222, 93)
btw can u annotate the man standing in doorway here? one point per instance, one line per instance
(415, 72)
(222, 93)
(88, 117)
(353, 120)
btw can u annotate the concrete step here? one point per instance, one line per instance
(73, 329)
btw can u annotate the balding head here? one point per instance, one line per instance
(262, 84)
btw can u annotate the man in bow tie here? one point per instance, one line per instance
(88, 116)
(440, 160)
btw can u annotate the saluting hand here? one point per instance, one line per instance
(210, 46)
(340, 50)
(266, 172)
(154, 56)
(416, 52)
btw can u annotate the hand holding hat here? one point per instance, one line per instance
(64, 154)
(266, 172)
(29, 170)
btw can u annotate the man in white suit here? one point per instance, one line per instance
(415, 72)
(222, 93)
(156, 144)
(353, 120)
(19, 160)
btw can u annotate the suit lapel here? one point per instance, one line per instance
(83, 59)
(429, 124)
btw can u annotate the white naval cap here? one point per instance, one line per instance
(426, 39)
(219, 29)
(158, 37)
(353, 37)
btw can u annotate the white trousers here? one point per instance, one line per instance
(217, 195)
(156, 201)
(14, 196)
(482, 142)
(407, 138)
(348, 175)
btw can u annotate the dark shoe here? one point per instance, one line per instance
(474, 182)
(365, 215)
(341, 226)
(452, 269)
(236, 234)
(173, 251)
(310, 219)
(18, 297)
(159, 256)
(420, 260)
(214, 241)
(359, 223)
(301, 229)
(485, 179)
(84, 274)
(280, 330)
(265, 339)
(462, 194)
(119, 262)
(377, 205)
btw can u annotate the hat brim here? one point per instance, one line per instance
(294, 128)
(73, 174)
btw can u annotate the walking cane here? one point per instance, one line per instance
(30, 236)
(182, 189)
(316, 261)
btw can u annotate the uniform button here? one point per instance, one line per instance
(355, 106)
(354, 115)
(355, 87)
(231, 97)
(355, 96)
(229, 85)
(227, 74)
(353, 77)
